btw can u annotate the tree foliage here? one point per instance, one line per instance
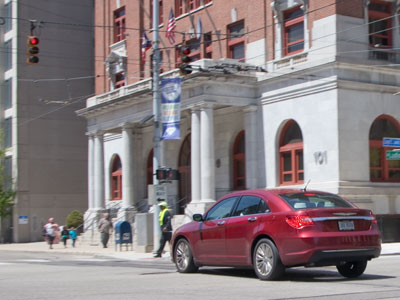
(74, 219)
(7, 194)
(6, 202)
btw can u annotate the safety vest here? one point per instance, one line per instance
(161, 216)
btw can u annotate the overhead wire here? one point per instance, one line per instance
(246, 33)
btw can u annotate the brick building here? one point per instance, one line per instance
(282, 93)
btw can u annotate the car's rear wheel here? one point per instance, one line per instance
(184, 258)
(352, 269)
(266, 261)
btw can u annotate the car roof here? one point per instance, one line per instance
(275, 191)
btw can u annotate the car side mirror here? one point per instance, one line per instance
(197, 217)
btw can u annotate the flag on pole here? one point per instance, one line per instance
(146, 45)
(199, 29)
(171, 27)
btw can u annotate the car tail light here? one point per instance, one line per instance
(374, 220)
(299, 222)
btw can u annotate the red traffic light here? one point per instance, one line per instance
(186, 50)
(33, 40)
(32, 50)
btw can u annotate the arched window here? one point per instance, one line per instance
(239, 162)
(116, 179)
(380, 168)
(291, 154)
(184, 167)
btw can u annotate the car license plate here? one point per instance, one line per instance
(346, 225)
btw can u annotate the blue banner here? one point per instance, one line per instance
(170, 108)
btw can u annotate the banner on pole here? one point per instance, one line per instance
(170, 108)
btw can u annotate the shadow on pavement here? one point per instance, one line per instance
(293, 274)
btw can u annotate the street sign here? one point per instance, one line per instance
(391, 142)
(393, 155)
(160, 192)
(23, 220)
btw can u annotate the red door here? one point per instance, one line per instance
(242, 227)
(211, 248)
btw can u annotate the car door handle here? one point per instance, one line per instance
(220, 223)
(252, 219)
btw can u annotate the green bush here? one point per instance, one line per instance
(75, 219)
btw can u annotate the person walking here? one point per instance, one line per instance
(105, 228)
(73, 235)
(65, 236)
(52, 231)
(166, 227)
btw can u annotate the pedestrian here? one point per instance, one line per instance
(65, 235)
(166, 227)
(73, 235)
(105, 228)
(52, 232)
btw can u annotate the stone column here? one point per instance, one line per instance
(91, 201)
(250, 125)
(98, 168)
(195, 156)
(202, 162)
(207, 161)
(127, 210)
(91, 204)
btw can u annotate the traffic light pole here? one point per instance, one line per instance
(157, 119)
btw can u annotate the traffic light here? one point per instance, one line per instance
(167, 174)
(184, 67)
(161, 174)
(32, 50)
(172, 174)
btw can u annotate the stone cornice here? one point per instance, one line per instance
(299, 90)
(141, 92)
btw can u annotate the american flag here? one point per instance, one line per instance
(146, 45)
(170, 28)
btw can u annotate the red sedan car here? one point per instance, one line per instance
(270, 230)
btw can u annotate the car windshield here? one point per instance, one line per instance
(314, 200)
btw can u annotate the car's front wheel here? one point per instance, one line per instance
(184, 258)
(351, 269)
(266, 261)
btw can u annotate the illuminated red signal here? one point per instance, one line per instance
(186, 51)
(34, 40)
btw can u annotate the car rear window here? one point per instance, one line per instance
(306, 200)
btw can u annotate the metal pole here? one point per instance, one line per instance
(157, 118)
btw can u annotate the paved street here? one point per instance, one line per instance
(62, 275)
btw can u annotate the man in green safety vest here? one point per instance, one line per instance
(166, 227)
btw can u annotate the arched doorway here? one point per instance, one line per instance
(239, 162)
(184, 167)
(116, 179)
(291, 154)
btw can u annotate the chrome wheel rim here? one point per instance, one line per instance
(182, 255)
(264, 259)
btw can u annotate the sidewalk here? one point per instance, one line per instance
(98, 251)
